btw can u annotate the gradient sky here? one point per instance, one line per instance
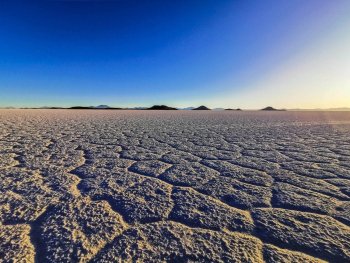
(247, 54)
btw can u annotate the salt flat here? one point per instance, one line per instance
(175, 186)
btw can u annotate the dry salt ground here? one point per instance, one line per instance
(175, 186)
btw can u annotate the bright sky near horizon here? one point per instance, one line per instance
(246, 54)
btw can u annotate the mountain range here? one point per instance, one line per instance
(188, 108)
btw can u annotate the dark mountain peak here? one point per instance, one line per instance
(79, 107)
(100, 107)
(234, 109)
(201, 108)
(269, 108)
(93, 108)
(161, 107)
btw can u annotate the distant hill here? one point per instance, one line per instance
(80, 108)
(161, 107)
(100, 107)
(269, 108)
(140, 108)
(238, 109)
(201, 108)
(48, 107)
(93, 108)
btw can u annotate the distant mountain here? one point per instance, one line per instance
(140, 108)
(188, 108)
(201, 108)
(101, 107)
(269, 108)
(80, 108)
(48, 107)
(161, 107)
(238, 109)
(218, 109)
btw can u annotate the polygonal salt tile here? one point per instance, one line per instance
(236, 193)
(317, 235)
(144, 202)
(188, 174)
(291, 197)
(198, 210)
(174, 242)
(110, 185)
(149, 168)
(15, 245)
(240, 173)
(74, 232)
(178, 157)
(274, 254)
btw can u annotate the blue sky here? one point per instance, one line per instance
(247, 54)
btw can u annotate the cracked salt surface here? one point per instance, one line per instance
(140, 186)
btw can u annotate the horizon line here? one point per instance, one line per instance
(179, 108)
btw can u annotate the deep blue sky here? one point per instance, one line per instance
(245, 54)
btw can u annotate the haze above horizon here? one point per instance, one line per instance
(230, 54)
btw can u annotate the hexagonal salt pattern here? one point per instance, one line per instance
(141, 186)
